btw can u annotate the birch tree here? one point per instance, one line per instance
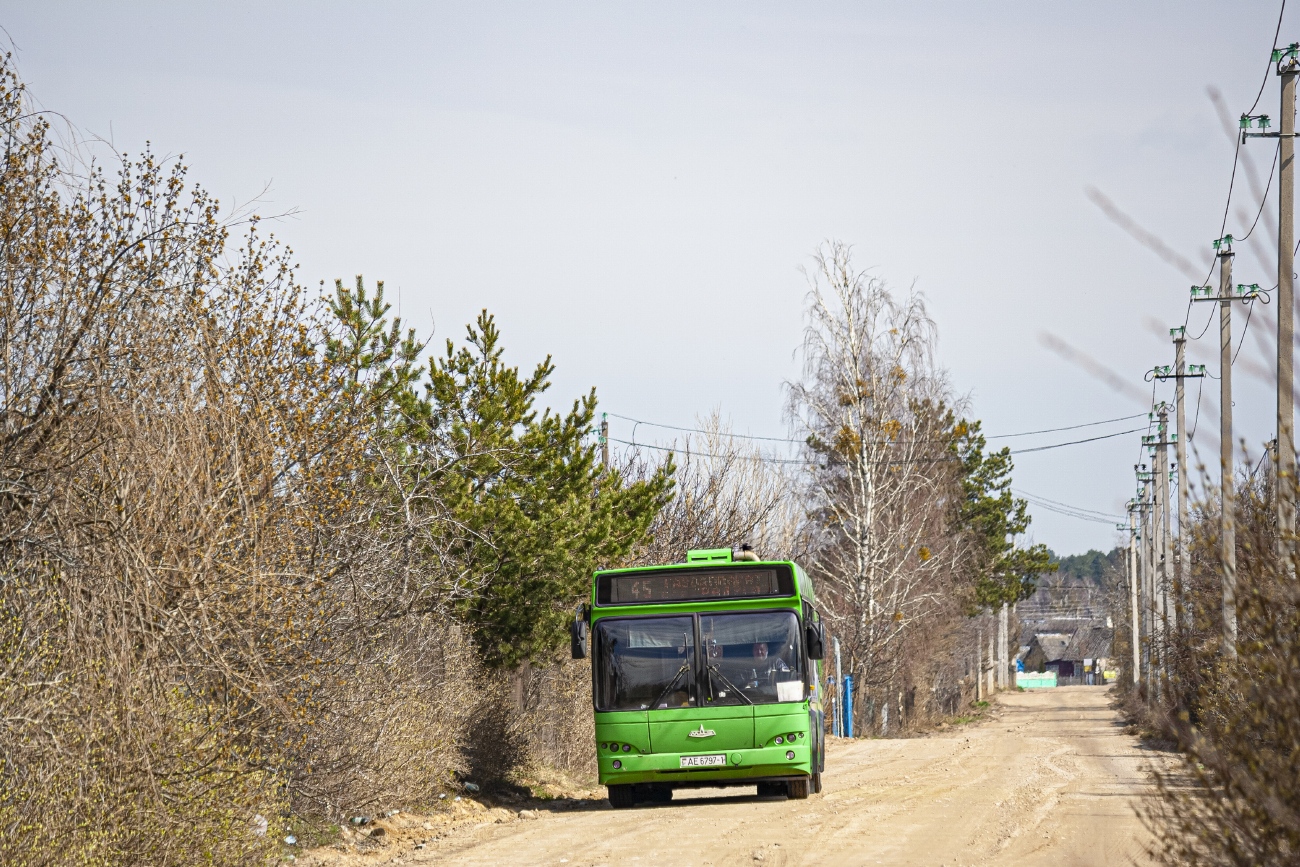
(876, 413)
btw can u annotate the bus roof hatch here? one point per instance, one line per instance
(709, 555)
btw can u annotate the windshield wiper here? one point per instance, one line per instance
(686, 666)
(713, 669)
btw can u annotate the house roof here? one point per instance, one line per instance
(1090, 642)
(1052, 644)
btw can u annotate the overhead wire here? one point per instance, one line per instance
(1028, 495)
(1276, 33)
(1227, 205)
(1200, 386)
(1236, 156)
(1075, 442)
(802, 442)
(806, 461)
(1264, 198)
(1246, 327)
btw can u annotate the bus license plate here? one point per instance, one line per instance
(703, 761)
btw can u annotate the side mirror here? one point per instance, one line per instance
(578, 636)
(815, 639)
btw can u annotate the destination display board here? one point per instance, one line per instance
(685, 585)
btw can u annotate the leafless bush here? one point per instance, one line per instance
(557, 721)
(1236, 798)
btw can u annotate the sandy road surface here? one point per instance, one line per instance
(1050, 779)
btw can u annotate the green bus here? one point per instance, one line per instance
(705, 673)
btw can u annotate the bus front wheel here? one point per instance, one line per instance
(797, 790)
(621, 796)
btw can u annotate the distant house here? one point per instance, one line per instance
(1046, 651)
(1085, 651)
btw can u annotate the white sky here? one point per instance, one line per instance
(633, 187)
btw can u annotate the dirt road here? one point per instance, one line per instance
(1050, 779)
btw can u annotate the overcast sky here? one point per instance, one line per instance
(633, 188)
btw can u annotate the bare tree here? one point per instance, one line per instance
(876, 413)
(727, 492)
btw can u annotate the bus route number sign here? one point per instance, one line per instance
(682, 586)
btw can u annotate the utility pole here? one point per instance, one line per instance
(1285, 484)
(1286, 467)
(1141, 629)
(1227, 485)
(992, 673)
(1183, 580)
(1227, 470)
(1003, 662)
(1147, 578)
(1136, 638)
(1181, 371)
(604, 440)
(1166, 527)
(979, 661)
(1227, 465)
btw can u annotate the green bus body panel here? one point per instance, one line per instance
(733, 728)
(746, 734)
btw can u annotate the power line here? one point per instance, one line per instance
(1031, 496)
(1264, 198)
(808, 462)
(1199, 386)
(764, 459)
(1094, 512)
(1236, 156)
(1268, 68)
(1076, 442)
(1070, 427)
(1073, 514)
(801, 442)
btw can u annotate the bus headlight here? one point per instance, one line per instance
(617, 764)
(789, 754)
(627, 748)
(780, 740)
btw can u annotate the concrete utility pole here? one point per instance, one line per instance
(1227, 461)
(1183, 579)
(604, 440)
(992, 673)
(1288, 66)
(1166, 530)
(1180, 373)
(1147, 532)
(1286, 466)
(1134, 602)
(1003, 662)
(1227, 471)
(1142, 629)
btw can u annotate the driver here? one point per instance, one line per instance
(768, 663)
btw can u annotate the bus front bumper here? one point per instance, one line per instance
(764, 763)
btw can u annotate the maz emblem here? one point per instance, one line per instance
(702, 732)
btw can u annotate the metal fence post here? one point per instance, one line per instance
(839, 679)
(848, 705)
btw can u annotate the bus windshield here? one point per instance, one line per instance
(752, 658)
(651, 662)
(645, 660)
